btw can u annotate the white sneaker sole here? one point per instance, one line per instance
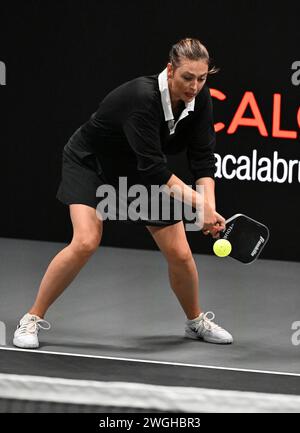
(189, 333)
(24, 345)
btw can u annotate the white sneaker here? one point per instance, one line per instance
(205, 329)
(26, 334)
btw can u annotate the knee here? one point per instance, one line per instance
(86, 245)
(179, 256)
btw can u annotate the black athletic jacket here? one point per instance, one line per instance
(130, 136)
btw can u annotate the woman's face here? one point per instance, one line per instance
(186, 81)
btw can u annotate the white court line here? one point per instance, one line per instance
(147, 361)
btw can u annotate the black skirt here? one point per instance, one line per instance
(81, 178)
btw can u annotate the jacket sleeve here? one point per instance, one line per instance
(141, 129)
(202, 141)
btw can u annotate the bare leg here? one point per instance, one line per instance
(182, 269)
(87, 233)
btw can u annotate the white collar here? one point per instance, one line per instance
(166, 102)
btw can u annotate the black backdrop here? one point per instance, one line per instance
(61, 58)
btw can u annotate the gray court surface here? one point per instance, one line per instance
(121, 305)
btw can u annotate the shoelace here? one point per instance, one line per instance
(207, 322)
(33, 326)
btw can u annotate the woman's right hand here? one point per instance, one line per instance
(213, 222)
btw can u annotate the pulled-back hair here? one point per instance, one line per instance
(192, 49)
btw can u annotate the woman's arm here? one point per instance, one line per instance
(209, 190)
(213, 222)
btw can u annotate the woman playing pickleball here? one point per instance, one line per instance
(135, 127)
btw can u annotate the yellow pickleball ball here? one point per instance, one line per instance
(222, 248)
